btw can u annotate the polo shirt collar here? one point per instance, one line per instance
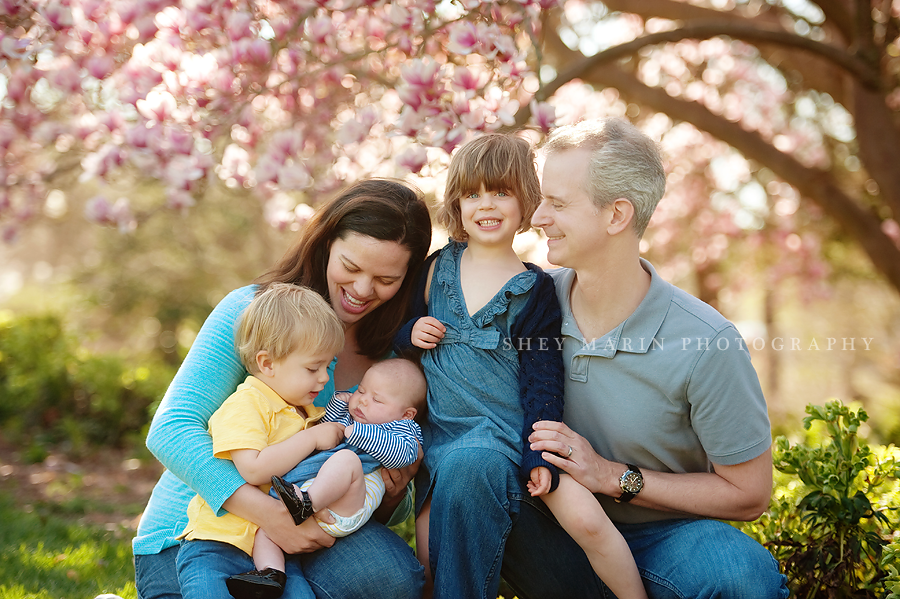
(636, 333)
(314, 413)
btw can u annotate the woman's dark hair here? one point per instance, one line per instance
(381, 208)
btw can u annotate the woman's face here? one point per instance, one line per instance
(363, 273)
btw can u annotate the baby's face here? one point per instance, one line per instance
(380, 398)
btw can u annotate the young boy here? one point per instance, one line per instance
(287, 338)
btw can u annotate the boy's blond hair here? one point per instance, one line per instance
(500, 162)
(286, 318)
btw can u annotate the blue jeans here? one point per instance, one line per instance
(203, 567)
(677, 559)
(373, 563)
(474, 500)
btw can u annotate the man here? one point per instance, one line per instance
(665, 421)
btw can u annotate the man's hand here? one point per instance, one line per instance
(583, 464)
(540, 482)
(427, 332)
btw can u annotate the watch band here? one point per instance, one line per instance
(632, 472)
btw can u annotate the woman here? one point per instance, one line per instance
(362, 251)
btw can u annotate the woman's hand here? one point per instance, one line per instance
(249, 503)
(427, 332)
(572, 453)
(396, 482)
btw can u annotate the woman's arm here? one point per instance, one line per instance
(211, 371)
(249, 503)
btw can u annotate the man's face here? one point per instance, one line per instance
(572, 222)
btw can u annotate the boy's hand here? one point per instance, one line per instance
(348, 432)
(328, 435)
(540, 481)
(427, 331)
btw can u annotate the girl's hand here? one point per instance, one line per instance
(555, 440)
(328, 435)
(540, 482)
(427, 332)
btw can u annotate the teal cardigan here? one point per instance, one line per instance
(179, 437)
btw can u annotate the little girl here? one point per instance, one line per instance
(490, 325)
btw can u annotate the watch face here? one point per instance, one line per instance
(632, 482)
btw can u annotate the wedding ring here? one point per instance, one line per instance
(569, 455)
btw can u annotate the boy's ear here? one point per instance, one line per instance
(264, 363)
(409, 413)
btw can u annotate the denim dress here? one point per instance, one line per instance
(473, 389)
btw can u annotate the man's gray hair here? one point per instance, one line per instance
(625, 163)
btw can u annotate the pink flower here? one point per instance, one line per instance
(238, 25)
(99, 210)
(67, 78)
(463, 38)
(410, 122)
(179, 199)
(293, 175)
(319, 29)
(892, 230)
(158, 105)
(544, 115)
(464, 79)
(413, 158)
(352, 132)
(420, 73)
(58, 15)
(100, 67)
(253, 51)
(473, 119)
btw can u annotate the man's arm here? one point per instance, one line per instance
(740, 492)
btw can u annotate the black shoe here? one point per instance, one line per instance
(301, 507)
(256, 584)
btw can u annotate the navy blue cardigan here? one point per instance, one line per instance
(536, 334)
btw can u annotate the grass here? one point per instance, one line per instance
(48, 551)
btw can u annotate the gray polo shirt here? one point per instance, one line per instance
(670, 389)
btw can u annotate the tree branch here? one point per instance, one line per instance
(853, 65)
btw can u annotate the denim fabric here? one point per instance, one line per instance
(473, 377)
(678, 559)
(475, 498)
(203, 567)
(155, 575)
(372, 563)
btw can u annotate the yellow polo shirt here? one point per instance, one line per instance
(253, 417)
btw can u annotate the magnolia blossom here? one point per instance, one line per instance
(101, 211)
(413, 158)
(544, 115)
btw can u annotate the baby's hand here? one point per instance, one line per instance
(328, 434)
(427, 331)
(348, 432)
(540, 481)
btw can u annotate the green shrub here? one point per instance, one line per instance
(834, 510)
(54, 393)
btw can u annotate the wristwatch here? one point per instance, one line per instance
(631, 483)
